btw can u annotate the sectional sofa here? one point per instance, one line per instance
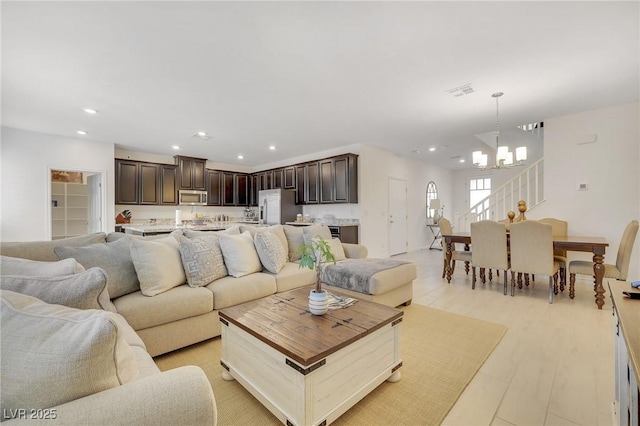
(164, 293)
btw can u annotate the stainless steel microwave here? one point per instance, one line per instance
(192, 198)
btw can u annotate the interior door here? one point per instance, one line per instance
(397, 216)
(94, 214)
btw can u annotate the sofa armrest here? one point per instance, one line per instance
(182, 396)
(355, 251)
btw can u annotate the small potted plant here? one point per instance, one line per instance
(315, 255)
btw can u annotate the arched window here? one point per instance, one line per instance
(432, 194)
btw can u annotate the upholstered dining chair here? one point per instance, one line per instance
(489, 241)
(461, 255)
(618, 271)
(559, 228)
(531, 248)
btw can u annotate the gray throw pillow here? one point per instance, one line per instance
(36, 268)
(272, 253)
(294, 240)
(312, 231)
(202, 259)
(87, 290)
(114, 258)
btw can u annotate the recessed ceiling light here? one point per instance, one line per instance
(240, 156)
(462, 160)
(175, 147)
(90, 110)
(272, 147)
(81, 132)
(433, 148)
(202, 134)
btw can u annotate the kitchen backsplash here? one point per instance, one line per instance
(161, 214)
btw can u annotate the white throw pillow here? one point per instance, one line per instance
(240, 254)
(52, 354)
(35, 268)
(158, 264)
(272, 253)
(202, 259)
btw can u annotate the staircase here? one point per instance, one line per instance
(527, 186)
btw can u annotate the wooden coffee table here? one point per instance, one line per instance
(306, 369)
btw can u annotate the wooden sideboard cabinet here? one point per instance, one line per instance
(626, 315)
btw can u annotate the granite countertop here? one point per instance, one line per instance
(207, 226)
(337, 222)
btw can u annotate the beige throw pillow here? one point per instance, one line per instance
(114, 258)
(240, 254)
(158, 264)
(36, 268)
(52, 354)
(336, 249)
(272, 253)
(312, 231)
(87, 290)
(202, 259)
(295, 239)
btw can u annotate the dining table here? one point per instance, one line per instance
(595, 245)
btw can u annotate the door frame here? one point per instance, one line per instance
(103, 195)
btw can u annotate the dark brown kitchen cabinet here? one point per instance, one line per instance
(289, 177)
(326, 181)
(214, 188)
(278, 179)
(253, 190)
(192, 172)
(137, 182)
(235, 189)
(168, 184)
(307, 189)
(345, 179)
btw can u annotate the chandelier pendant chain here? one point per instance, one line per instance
(497, 95)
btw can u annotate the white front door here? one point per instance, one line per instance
(397, 216)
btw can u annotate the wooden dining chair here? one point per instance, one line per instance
(489, 240)
(618, 271)
(463, 256)
(559, 228)
(531, 248)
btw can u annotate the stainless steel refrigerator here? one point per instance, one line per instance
(277, 206)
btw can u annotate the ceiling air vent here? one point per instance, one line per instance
(462, 90)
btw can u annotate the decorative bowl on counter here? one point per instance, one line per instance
(199, 222)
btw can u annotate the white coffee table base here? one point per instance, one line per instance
(316, 394)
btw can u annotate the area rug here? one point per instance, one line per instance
(441, 352)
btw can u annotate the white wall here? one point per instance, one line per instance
(610, 167)
(376, 166)
(26, 160)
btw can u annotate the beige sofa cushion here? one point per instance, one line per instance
(312, 231)
(43, 250)
(202, 259)
(52, 354)
(229, 291)
(38, 268)
(292, 276)
(158, 264)
(114, 258)
(180, 302)
(240, 254)
(87, 290)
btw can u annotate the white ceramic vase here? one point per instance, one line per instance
(318, 302)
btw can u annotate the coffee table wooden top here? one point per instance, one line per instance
(283, 322)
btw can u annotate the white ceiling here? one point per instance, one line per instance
(310, 76)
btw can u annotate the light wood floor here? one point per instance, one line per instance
(555, 365)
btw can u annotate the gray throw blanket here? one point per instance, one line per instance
(354, 274)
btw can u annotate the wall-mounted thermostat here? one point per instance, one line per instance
(583, 186)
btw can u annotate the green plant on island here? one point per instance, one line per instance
(315, 255)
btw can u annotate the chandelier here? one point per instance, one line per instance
(504, 157)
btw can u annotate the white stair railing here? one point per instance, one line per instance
(527, 186)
